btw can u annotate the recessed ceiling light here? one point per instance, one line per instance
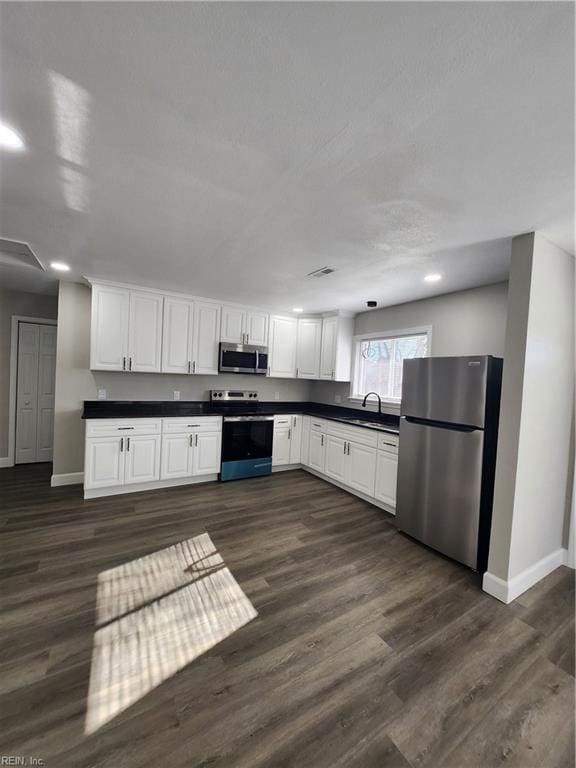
(297, 309)
(433, 278)
(9, 139)
(59, 266)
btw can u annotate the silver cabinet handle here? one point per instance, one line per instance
(194, 366)
(348, 451)
(268, 370)
(344, 447)
(297, 372)
(321, 439)
(193, 425)
(294, 421)
(121, 444)
(129, 363)
(191, 438)
(289, 433)
(128, 444)
(189, 365)
(123, 363)
(332, 374)
(196, 439)
(123, 428)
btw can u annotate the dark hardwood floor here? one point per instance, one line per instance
(367, 649)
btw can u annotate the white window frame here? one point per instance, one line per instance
(390, 403)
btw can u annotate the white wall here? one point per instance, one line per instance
(76, 383)
(469, 322)
(533, 476)
(27, 305)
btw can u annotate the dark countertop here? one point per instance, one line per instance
(127, 409)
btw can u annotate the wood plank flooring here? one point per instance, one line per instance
(368, 649)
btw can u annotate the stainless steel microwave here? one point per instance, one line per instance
(243, 358)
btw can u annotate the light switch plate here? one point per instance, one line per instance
(101, 394)
(176, 394)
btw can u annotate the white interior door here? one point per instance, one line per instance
(27, 392)
(35, 373)
(46, 382)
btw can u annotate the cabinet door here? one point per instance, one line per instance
(335, 458)
(109, 328)
(361, 468)
(145, 332)
(295, 439)
(207, 453)
(281, 445)
(104, 462)
(317, 451)
(176, 456)
(257, 328)
(206, 337)
(386, 477)
(282, 350)
(142, 456)
(232, 326)
(177, 335)
(328, 351)
(308, 355)
(305, 441)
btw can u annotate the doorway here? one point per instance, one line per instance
(35, 385)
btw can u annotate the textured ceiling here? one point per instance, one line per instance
(229, 149)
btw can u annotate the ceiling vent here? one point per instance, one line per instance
(16, 254)
(322, 272)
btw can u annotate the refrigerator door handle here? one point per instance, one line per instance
(442, 424)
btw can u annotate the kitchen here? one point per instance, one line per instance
(286, 398)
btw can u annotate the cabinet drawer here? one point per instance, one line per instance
(388, 443)
(283, 420)
(191, 424)
(106, 427)
(358, 435)
(318, 425)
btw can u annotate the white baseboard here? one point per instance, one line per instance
(71, 478)
(120, 490)
(6, 461)
(507, 591)
(353, 491)
(286, 467)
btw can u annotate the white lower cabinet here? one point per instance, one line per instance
(336, 459)
(386, 477)
(361, 468)
(286, 446)
(142, 459)
(104, 462)
(176, 456)
(317, 451)
(121, 454)
(206, 453)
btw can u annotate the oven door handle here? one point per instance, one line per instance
(249, 418)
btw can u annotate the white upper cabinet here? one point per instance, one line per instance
(145, 332)
(336, 353)
(257, 328)
(244, 326)
(232, 328)
(206, 335)
(308, 347)
(126, 330)
(109, 328)
(282, 350)
(178, 335)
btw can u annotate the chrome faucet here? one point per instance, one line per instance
(379, 401)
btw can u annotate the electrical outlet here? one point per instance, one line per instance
(176, 394)
(101, 394)
(276, 395)
(337, 398)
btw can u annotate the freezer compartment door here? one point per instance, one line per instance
(439, 488)
(449, 389)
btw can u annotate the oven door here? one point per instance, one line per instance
(238, 358)
(246, 446)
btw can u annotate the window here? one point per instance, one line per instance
(379, 360)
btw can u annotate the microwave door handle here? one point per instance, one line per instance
(257, 362)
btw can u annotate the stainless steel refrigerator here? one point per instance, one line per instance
(447, 454)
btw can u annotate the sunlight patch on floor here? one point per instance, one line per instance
(155, 615)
